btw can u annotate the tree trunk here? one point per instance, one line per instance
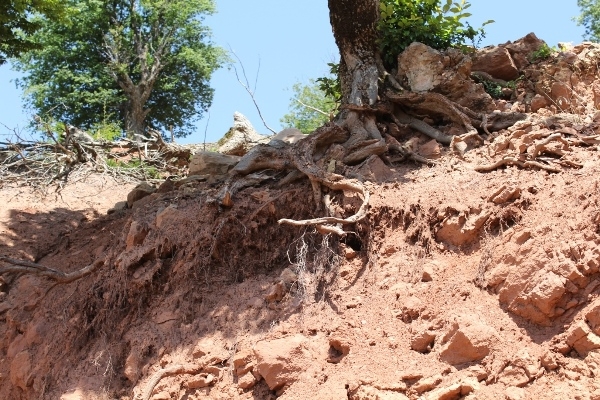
(354, 24)
(135, 114)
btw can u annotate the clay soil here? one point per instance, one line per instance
(458, 284)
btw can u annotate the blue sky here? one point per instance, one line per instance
(292, 42)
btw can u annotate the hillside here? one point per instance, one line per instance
(475, 275)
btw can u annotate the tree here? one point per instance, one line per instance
(310, 107)
(372, 102)
(590, 19)
(17, 24)
(138, 63)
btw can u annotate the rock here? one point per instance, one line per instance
(171, 212)
(539, 303)
(422, 66)
(427, 384)
(430, 149)
(592, 316)
(497, 62)
(449, 73)
(582, 339)
(164, 395)
(139, 192)
(520, 50)
(371, 393)
(167, 186)
(212, 164)
(132, 366)
(240, 138)
(210, 350)
(353, 302)
(281, 361)
(289, 135)
(246, 381)
(276, 292)
(561, 94)
(513, 376)
(422, 341)
(505, 194)
(20, 370)
(428, 273)
(469, 385)
(243, 362)
(460, 228)
(201, 380)
(445, 393)
(548, 361)
(339, 348)
(119, 206)
(538, 101)
(136, 235)
(411, 309)
(468, 339)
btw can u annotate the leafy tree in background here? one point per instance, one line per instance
(590, 19)
(17, 23)
(136, 63)
(310, 107)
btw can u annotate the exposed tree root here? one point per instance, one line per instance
(179, 369)
(21, 266)
(514, 161)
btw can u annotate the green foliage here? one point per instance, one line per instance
(312, 105)
(77, 73)
(18, 23)
(542, 53)
(147, 170)
(589, 19)
(331, 85)
(403, 22)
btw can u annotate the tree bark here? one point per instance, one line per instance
(354, 24)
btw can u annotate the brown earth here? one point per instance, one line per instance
(458, 284)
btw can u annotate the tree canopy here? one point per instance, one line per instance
(310, 107)
(17, 24)
(590, 19)
(136, 63)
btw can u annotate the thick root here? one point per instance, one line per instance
(21, 266)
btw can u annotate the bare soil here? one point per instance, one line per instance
(458, 284)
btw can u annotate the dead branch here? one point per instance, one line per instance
(22, 266)
(246, 86)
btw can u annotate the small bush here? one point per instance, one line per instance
(542, 53)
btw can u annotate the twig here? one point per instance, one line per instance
(313, 108)
(247, 87)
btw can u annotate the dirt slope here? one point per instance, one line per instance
(459, 284)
